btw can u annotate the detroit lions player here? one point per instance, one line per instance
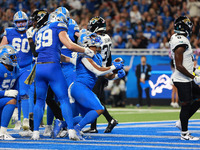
(87, 70)
(182, 77)
(98, 26)
(17, 37)
(50, 39)
(8, 93)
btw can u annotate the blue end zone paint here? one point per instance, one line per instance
(140, 136)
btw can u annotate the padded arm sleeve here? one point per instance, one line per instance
(97, 72)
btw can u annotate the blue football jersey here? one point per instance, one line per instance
(72, 28)
(48, 44)
(7, 78)
(85, 76)
(20, 43)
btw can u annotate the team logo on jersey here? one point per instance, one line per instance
(5, 75)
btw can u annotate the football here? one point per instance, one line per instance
(117, 60)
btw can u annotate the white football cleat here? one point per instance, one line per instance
(25, 125)
(63, 133)
(187, 136)
(172, 104)
(36, 135)
(25, 133)
(178, 124)
(176, 105)
(6, 136)
(17, 125)
(73, 135)
(48, 130)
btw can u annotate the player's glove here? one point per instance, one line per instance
(11, 93)
(118, 65)
(121, 73)
(30, 32)
(197, 72)
(89, 52)
(73, 61)
(197, 80)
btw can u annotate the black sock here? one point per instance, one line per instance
(194, 107)
(94, 124)
(31, 121)
(184, 116)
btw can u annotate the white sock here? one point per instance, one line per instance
(3, 130)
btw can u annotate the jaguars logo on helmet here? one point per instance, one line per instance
(41, 18)
(183, 25)
(20, 16)
(97, 24)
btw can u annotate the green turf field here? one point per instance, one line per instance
(133, 114)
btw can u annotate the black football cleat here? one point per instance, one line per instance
(111, 125)
(90, 131)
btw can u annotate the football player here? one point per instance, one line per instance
(50, 39)
(8, 91)
(182, 77)
(87, 70)
(17, 37)
(68, 68)
(98, 25)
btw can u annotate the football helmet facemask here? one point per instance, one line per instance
(8, 55)
(20, 20)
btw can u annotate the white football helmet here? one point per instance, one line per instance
(20, 16)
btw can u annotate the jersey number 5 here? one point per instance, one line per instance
(44, 39)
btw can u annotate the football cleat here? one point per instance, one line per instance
(36, 135)
(89, 130)
(187, 136)
(78, 132)
(47, 131)
(63, 134)
(6, 136)
(58, 126)
(111, 125)
(73, 135)
(26, 133)
(17, 125)
(25, 123)
(178, 124)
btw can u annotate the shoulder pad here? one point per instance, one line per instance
(62, 24)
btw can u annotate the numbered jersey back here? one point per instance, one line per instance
(20, 43)
(48, 44)
(105, 49)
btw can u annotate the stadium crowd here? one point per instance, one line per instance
(130, 23)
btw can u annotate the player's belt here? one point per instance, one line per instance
(50, 62)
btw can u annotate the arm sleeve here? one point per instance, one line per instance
(32, 47)
(109, 62)
(91, 68)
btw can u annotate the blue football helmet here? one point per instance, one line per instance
(8, 55)
(64, 11)
(20, 16)
(57, 16)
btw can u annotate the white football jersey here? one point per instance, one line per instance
(105, 48)
(188, 58)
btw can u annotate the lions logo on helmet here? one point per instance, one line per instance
(64, 11)
(20, 20)
(183, 25)
(8, 55)
(97, 24)
(57, 16)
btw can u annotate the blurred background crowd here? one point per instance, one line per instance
(130, 23)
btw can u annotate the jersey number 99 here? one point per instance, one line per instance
(44, 39)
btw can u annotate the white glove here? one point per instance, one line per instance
(197, 72)
(89, 52)
(73, 61)
(11, 93)
(197, 80)
(30, 32)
